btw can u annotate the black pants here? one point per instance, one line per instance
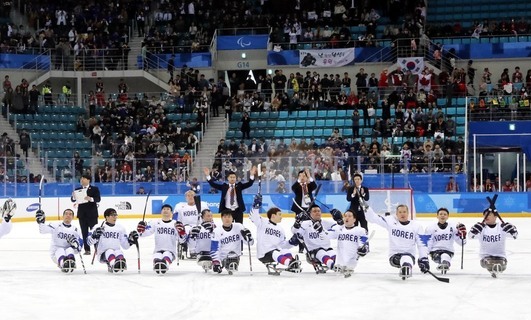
(86, 224)
(237, 215)
(361, 220)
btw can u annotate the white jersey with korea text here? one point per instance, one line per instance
(348, 242)
(188, 214)
(113, 237)
(403, 238)
(203, 241)
(492, 241)
(313, 239)
(60, 233)
(225, 241)
(269, 236)
(443, 239)
(5, 228)
(166, 236)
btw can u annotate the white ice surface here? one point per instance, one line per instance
(32, 287)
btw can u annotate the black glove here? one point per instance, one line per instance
(363, 250)
(294, 240)
(246, 234)
(96, 234)
(195, 232)
(509, 228)
(180, 228)
(257, 202)
(40, 217)
(336, 215)
(317, 226)
(461, 230)
(141, 227)
(133, 237)
(424, 265)
(477, 228)
(297, 224)
(73, 242)
(216, 266)
(209, 226)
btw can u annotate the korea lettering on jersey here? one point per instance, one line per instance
(60, 233)
(166, 235)
(348, 242)
(313, 239)
(224, 242)
(403, 238)
(442, 239)
(203, 240)
(113, 237)
(188, 214)
(492, 241)
(269, 236)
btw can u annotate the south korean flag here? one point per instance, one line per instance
(413, 64)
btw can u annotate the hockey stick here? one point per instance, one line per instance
(445, 280)
(259, 178)
(197, 201)
(40, 191)
(250, 260)
(145, 206)
(82, 263)
(492, 206)
(462, 252)
(138, 254)
(96, 245)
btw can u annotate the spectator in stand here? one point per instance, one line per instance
(361, 82)
(452, 186)
(489, 186)
(246, 126)
(507, 187)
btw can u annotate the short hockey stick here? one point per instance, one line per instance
(40, 191)
(445, 280)
(250, 260)
(145, 206)
(492, 206)
(82, 263)
(96, 246)
(197, 201)
(138, 254)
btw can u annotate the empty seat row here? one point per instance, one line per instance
(61, 109)
(46, 126)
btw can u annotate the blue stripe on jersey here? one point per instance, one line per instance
(214, 246)
(363, 239)
(425, 238)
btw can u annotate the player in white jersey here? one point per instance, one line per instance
(111, 238)
(226, 245)
(166, 236)
(8, 210)
(314, 233)
(272, 246)
(443, 234)
(66, 239)
(351, 242)
(405, 238)
(187, 213)
(203, 234)
(491, 235)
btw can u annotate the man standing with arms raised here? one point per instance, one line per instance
(86, 198)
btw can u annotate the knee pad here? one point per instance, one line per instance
(394, 260)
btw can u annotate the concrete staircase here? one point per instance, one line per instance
(32, 163)
(216, 130)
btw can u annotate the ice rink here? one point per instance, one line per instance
(34, 288)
